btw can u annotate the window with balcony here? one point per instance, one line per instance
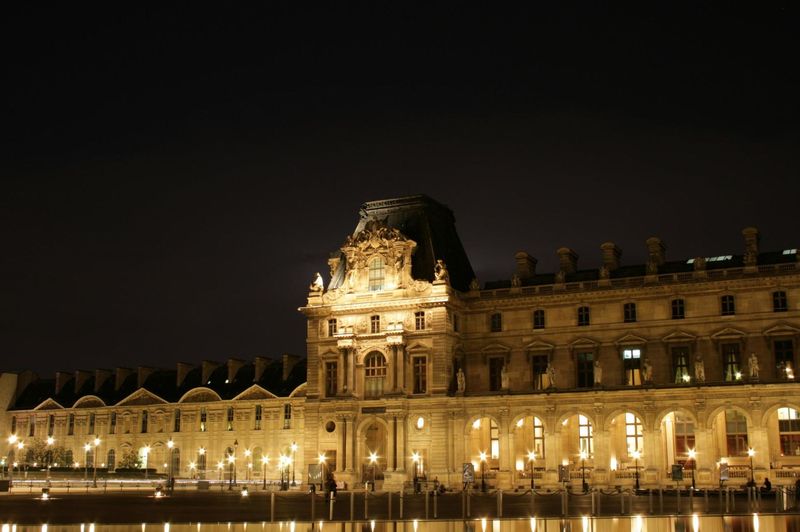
(731, 365)
(374, 375)
(496, 373)
(539, 367)
(784, 358)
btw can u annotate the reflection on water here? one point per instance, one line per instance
(636, 523)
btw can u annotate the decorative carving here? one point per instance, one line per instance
(647, 371)
(474, 284)
(598, 373)
(440, 271)
(561, 276)
(604, 273)
(699, 264)
(461, 380)
(753, 366)
(317, 285)
(699, 369)
(516, 282)
(551, 375)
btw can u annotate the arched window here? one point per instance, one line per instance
(736, 433)
(374, 374)
(789, 431)
(376, 274)
(176, 460)
(633, 433)
(538, 438)
(585, 436)
(111, 460)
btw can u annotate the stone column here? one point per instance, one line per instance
(402, 457)
(601, 460)
(553, 452)
(504, 475)
(391, 447)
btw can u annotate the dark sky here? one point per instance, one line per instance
(172, 178)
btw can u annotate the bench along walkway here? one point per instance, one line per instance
(258, 505)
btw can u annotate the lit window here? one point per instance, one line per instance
(538, 438)
(684, 434)
(632, 366)
(374, 374)
(789, 431)
(680, 364)
(730, 362)
(203, 420)
(539, 367)
(585, 438)
(376, 274)
(784, 358)
(736, 433)
(633, 433)
(494, 437)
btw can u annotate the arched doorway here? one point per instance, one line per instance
(529, 449)
(374, 439)
(678, 441)
(484, 449)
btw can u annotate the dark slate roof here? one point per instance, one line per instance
(432, 226)
(640, 270)
(163, 383)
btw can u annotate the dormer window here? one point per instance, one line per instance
(376, 274)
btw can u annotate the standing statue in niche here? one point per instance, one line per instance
(752, 363)
(440, 271)
(461, 380)
(317, 285)
(516, 282)
(647, 371)
(598, 374)
(551, 375)
(699, 369)
(504, 377)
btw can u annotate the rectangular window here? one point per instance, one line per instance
(583, 316)
(495, 373)
(257, 417)
(71, 425)
(538, 438)
(731, 362)
(112, 423)
(287, 416)
(727, 306)
(496, 322)
(32, 426)
(144, 421)
(789, 431)
(684, 435)
(51, 424)
(229, 418)
(632, 366)
(736, 433)
(680, 364)
(634, 436)
(91, 423)
(203, 420)
(176, 427)
(419, 321)
(13, 424)
(585, 436)
(375, 324)
(678, 309)
(494, 439)
(332, 327)
(376, 274)
(456, 323)
(420, 365)
(585, 366)
(538, 319)
(331, 379)
(784, 359)
(629, 312)
(779, 303)
(539, 366)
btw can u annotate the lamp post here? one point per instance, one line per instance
(373, 459)
(171, 478)
(86, 449)
(531, 458)
(247, 454)
(584, 485)
(201, 472)
(146, 450)
(94, 461)
(294, 453)
(323, 464)
(264, 462)
(636, 456)
(482, 456)
(415, 459)
(231, 469)
(50, 442)
(282, 464)
(750, 453)
(220, 466)
(11, 441)
(692, 457)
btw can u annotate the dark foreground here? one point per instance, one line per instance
(230, 506)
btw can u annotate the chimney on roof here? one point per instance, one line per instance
(234, 365)
(81, 376)
(208, 368)
(289, 361)
(100, 378)
(526, 265)
(261, 364)
(568, 260)
(183, 369)
(611, 255)
(142, 372)
(62, 377)
(120, 374)
(656, 251)
(751, 239)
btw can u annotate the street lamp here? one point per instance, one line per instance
(531, 458)
(146, 450)
(86, 449)
(231, 459)
(282, 465)
(294, 451)
(201, 467)
(264, 462)
(584, 485)
(636, 455)
(693, 457)
(94, 461)
(750, 453)
(373, 459)
(482, 456)
(171, 479)
(415, 459)
(11, 441)
(323, 464)
(50, 442)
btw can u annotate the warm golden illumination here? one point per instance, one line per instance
(201, 451)
(373, 457)
(750, 452)
(265, 459)
(322, 458)
(50, 440)
(482, 456)
(692, 453)
(531, 456)
(170, 444)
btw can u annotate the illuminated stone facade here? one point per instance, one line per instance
(414, 369)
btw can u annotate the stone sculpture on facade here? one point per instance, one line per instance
(461, 381)
(598, 373)
(440, 271)
(504, 377)
(647, 371)
(516, 282)
(699, 369)
(474, 284)
(317, 285)
(753, 366)
(551, 374)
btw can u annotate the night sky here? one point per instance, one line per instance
(173, 178)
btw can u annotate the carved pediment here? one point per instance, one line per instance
(141, 397)
(540, 346)
(200, 395)
(253, 393)
(728, 333)
(679, 337)
(583, 343)
(631, 339)
(49, 404)
(496, 348)
(782, 329)
(89, 401)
